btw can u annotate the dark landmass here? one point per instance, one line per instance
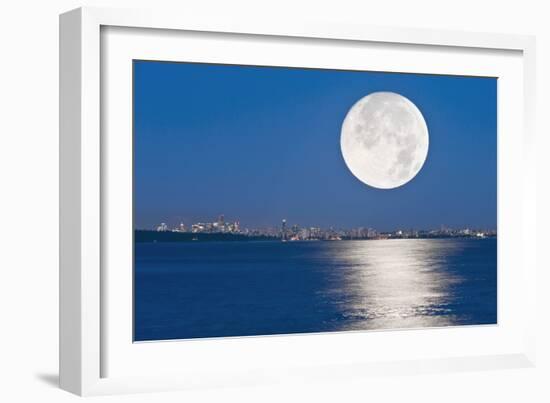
(141, 236)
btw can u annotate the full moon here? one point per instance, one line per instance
(384, 140)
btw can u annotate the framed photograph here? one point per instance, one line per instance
(249, 202)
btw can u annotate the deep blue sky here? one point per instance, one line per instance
(259, 144)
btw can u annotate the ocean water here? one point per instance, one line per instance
(219, 289)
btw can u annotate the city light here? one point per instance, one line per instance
(294, 232)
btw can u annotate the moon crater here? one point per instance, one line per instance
(384, 140)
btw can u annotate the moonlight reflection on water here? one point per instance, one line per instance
(395, 284)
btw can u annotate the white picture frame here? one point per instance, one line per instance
(96, 354)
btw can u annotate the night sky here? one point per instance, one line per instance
(259, 144)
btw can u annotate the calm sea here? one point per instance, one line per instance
(212, 289)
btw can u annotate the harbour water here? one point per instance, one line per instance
(219, 289)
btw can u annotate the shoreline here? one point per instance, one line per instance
(143, 236)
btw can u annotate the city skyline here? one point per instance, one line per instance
(233, 226)
(264, 141)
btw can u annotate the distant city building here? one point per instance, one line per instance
(162, 227)
(219, 226)
(199, 227)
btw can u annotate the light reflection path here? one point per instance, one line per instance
(393, 284)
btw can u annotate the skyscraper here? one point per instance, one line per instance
(162, 227)
(283, 230)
